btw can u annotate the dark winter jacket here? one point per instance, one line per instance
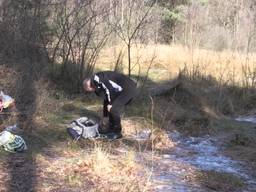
(114, 87)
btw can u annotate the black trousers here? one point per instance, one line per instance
(118, 106)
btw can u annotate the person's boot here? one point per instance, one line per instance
(110, 135)
(113, 135)
(104, 131)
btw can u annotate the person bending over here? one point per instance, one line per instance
(117, 90)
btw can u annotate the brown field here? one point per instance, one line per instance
(167, 61)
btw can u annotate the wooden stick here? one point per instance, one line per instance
(9, 113)
(5, 113)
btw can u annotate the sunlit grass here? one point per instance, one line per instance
(227, 67)
(97, 170)
(77, 165)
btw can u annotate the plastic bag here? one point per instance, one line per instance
(5, 100)
(12, 143)
(12, 128)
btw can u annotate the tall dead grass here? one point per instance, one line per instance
(227, 67)
(212, 83)
(98, 170)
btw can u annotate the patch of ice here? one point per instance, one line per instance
(166, 156)
(175, 187)
(191, 153)
(251, 119)
(142, 135)
(203, 153)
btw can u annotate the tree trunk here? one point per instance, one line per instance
(129, 57)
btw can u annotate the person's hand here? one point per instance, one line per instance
(109, 107)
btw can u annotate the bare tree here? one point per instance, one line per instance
(128, 23)
(79, 33)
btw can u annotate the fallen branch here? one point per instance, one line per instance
(6, 113)
(165, 88)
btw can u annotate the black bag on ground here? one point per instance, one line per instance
(83, 127)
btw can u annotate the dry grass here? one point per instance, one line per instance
(97, 170)
(240, 140)
(157, 138)
(224, 182)
(227, 67)
(213, 83)
(70, 167)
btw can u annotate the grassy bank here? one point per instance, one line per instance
(211, 89)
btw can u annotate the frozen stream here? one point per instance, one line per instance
(190, 155)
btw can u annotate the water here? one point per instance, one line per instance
(189, 156)
(142, 135)
(204, 154)
(251, 119)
